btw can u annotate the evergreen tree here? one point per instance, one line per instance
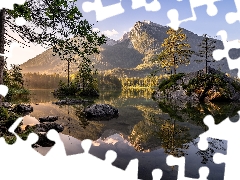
(175, 50)
(207, 46)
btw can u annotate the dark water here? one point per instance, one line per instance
(145, 129)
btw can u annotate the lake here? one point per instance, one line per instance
(145, 129)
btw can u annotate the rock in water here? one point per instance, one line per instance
(45, 127)
(21, 108)
(198, 87)
(48, 119)
(100, 110)
(43, 141)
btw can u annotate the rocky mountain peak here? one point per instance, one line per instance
(121, 54)
(110, 41)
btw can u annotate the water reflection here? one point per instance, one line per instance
(195, 113)
(145, 129)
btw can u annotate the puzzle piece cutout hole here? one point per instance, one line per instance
(102, 12)
(234, 53)
(233, 17)
(173, 14)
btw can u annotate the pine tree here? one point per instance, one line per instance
(206, 48)
(175, 50)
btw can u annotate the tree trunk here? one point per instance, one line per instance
(206, 56)
(68, 69)
(2, 42)
(174, 62)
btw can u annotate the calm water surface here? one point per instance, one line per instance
(145, 129)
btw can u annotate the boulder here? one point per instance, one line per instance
(198, 87)
(48, 119)
(45, 127)
(43, 141)
(100, 110)
(6, 104)
(22, 108)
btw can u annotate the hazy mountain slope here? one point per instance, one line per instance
(120, 56)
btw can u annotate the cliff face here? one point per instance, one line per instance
(122, 55)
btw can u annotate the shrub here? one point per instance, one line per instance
(166, 84)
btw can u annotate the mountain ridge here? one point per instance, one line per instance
(120, 55)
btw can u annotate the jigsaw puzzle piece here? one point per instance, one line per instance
(3, 90)
(9, 4)
(232, 17)
(99, 166)
(173, 14)
(180, 162)
(218, 131)
(219, 54)
(101, 11)
(58, 149)
(153, 6)
(157, 174)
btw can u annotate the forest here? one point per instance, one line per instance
(51, 81)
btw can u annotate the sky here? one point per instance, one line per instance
(114, 27)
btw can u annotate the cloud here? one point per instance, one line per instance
(96, 29)
(110, 33)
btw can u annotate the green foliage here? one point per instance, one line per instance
(3, 113)
(61, 26)
(108, 82)
(7, 118)
(14, 80)
(66, 90)
(236, 85)
(203, 83)
(20, 11)
(82, 85)
(24, 134)
(166, 84)
(86, 79)
(137, 82)
(176, 50)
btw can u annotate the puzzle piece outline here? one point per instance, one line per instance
(219, 54)
(232, 17)
(229, 14)
(173, 14)
(216, 131)
(153, 6)
(103, 11)
(180, 162)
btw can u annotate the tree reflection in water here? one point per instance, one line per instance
(175, 134)
(214, 145)
(155, 133)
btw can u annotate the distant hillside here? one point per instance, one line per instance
(120, 57)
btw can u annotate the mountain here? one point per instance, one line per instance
(121, 58)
